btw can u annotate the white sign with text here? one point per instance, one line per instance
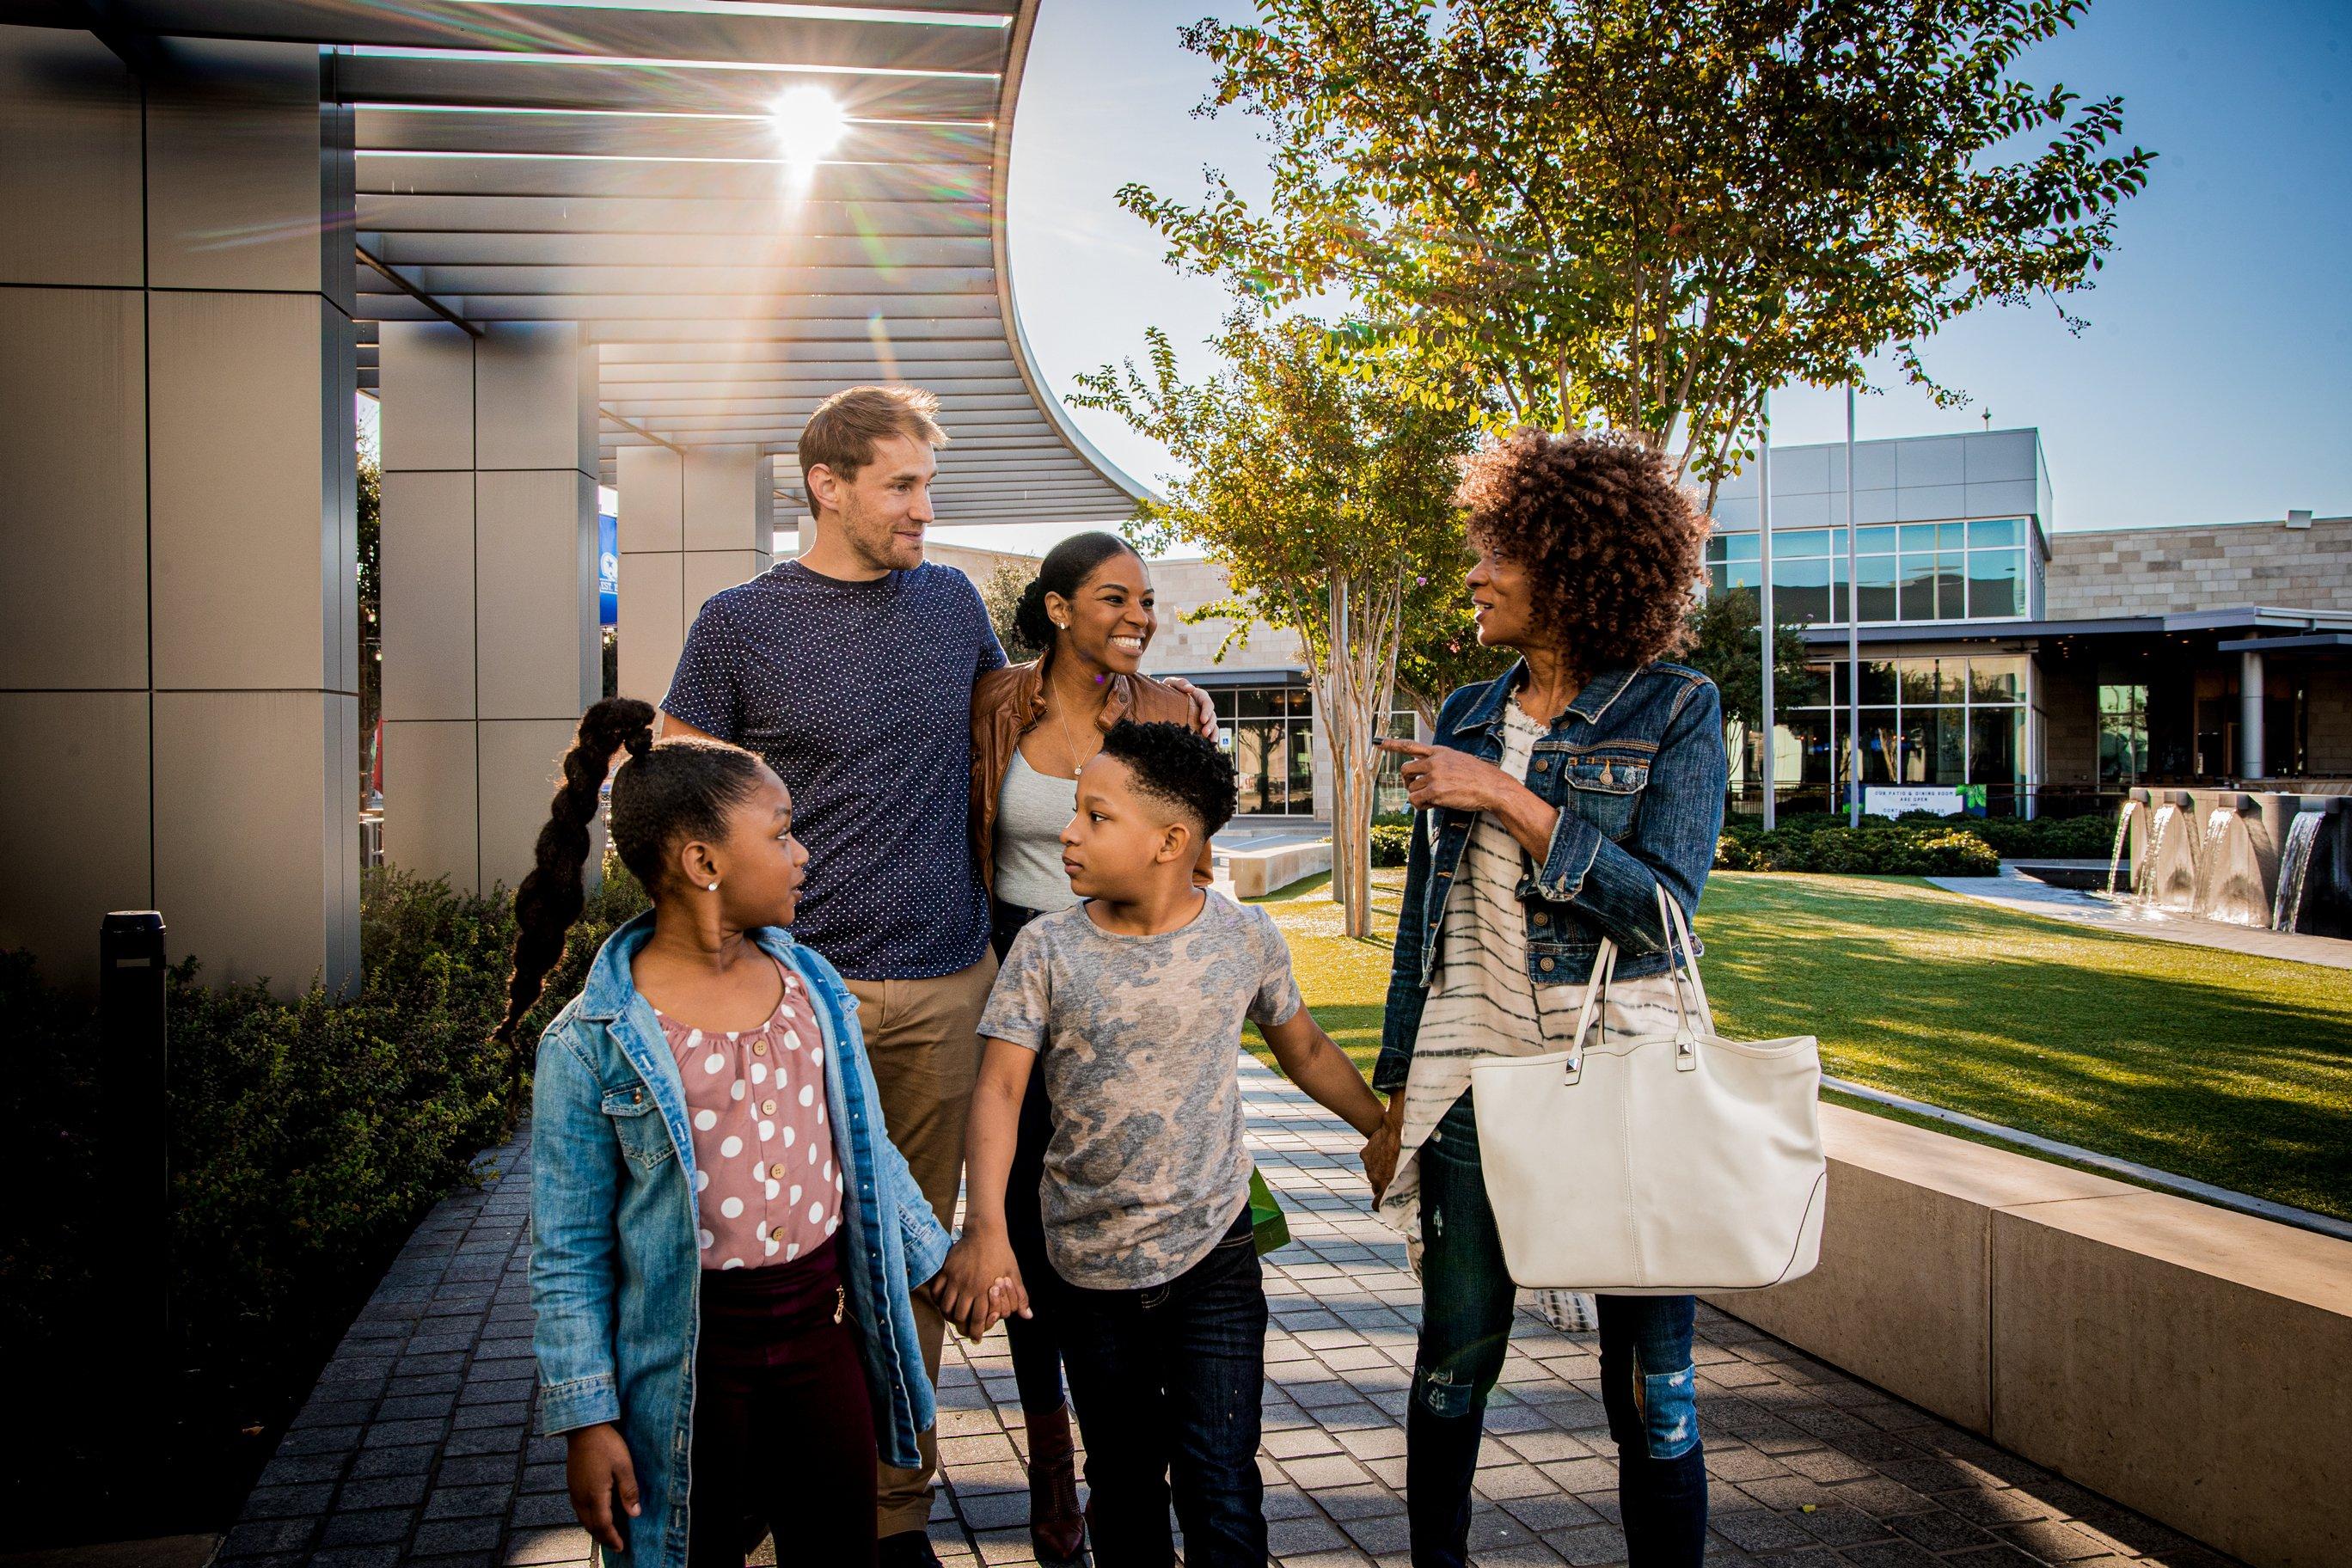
(1893, 800)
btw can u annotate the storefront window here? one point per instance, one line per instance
(1935, 720)
(2123, 733)
(1270, 733)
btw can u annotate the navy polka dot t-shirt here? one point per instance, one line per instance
(859, 696)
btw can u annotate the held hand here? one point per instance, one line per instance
(1440, 775)
(595, 1467)
(1008, 1297)
(1380, 1159)
(1380, 1150)
(1205, 709)
(977, 1268)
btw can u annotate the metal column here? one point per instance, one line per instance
(2251, 749)
(1764, 567)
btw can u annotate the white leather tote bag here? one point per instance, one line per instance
(1655, 1165)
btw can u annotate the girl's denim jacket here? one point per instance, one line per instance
(1636, 766)
(614, 1270)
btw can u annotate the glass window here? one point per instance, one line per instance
(1916, 588)
(1917, 536)
(1301, 796)
(1997, 680)
(1997, 583)
(1995, 744)
(1252, 758)
(1800, 543)
(1876, 575)
(2123, 733)
(1804, 735)
(1801, 591)
(1928, 681)
(1715, 549)
(1388, 787)
(1952, 587)
(1873, 541)
(2003, 531)
(1738, 547)
(1952, 760)
(1951, 535)
(1880, 744)
(1877, 682)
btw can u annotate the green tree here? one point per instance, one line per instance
(1727, 646)
(1002, 594)
(1644, 214)
(1324, 495)
(1441, 651)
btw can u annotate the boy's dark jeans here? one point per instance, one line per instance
(1171, 1379)
(1467, 1297)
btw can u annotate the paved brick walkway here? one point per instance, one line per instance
(415, 1448)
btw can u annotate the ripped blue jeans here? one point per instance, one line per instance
(1646, 1381)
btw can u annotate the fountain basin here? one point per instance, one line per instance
(2219, 854)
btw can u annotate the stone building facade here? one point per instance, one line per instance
(2165, 571)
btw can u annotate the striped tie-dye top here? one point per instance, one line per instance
(1481, 1002)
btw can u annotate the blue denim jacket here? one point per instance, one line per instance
(1637, 768)
(614, 1270)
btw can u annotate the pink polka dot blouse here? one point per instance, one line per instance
(764, 1178)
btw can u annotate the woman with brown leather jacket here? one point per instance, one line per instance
(1034, 726)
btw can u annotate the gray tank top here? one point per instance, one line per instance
(1031, 812)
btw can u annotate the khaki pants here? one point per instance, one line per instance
(922, 1036)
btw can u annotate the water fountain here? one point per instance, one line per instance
(2247, 857)
(2165, 877)
(2229, 881)
(2295, 868)
(2123, 839)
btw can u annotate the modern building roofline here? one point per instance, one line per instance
(1024, 25)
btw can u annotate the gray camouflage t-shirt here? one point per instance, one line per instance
(1146, 1170)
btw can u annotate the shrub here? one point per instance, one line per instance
(307, 1137)
(1392, 843)
(1889, 851)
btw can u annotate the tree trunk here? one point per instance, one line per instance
(1354, 690)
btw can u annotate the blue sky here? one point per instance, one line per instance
(2213, 385)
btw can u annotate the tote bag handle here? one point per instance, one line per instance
(1679, 944)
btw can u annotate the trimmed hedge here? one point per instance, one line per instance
(307, 1137)
(1895, 850)
(1391, 844)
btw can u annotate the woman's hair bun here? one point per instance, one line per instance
(1030, 619)
(640, 742)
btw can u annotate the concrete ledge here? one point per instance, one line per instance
(1257, 872)
(2189, 1362)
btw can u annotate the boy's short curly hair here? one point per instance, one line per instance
(1613, 545)
(1176, 764)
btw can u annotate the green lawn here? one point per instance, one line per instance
(2229, 1069)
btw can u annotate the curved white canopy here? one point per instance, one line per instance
(621, 164)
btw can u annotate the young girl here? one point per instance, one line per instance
(723, 1238)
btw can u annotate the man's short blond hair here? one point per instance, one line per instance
(843, 431)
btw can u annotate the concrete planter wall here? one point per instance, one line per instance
(2192, 1364)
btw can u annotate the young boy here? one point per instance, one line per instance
(1135, 1001)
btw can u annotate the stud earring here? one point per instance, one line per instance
(714, 887)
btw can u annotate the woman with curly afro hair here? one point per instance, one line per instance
(1554, 804)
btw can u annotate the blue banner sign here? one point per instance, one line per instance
(608, 569)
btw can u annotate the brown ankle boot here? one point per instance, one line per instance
(1056, 1528)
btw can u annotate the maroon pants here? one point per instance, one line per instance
(784, 1433)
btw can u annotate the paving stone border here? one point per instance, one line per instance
(415, 1448)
